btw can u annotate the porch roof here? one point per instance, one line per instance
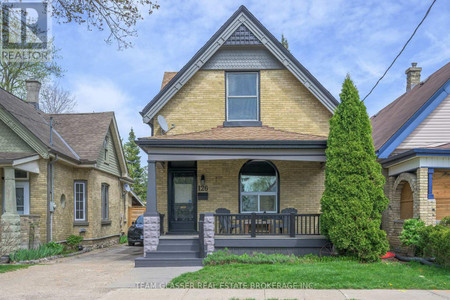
(236, 143)
(220, 133)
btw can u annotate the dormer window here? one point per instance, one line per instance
(242, 96)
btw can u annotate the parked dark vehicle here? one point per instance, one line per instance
(136, 231)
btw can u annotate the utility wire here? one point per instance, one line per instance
(401, 51)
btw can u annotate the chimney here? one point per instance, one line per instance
(33, 87)
(412, 76)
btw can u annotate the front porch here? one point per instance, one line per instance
(236, 189)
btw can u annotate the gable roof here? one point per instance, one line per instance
(399, 118)
(231, 32)
(34, 122)
(84, 132)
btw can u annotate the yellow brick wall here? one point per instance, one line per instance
(63, 218)
(285, 104)
(301, 186)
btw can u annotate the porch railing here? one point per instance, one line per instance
(267, 224)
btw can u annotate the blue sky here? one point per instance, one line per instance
(330, 38)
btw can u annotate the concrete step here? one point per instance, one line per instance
(141, 262)
(173, 254)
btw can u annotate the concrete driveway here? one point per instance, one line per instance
(88, 276)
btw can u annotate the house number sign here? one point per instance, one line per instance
(203, 188)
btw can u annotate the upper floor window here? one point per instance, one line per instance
(242, 94)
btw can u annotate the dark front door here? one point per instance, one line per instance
(182, 201)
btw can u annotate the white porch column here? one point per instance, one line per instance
(10, 219)
(151, 216)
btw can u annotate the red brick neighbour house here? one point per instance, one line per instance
(237, 152)
(412, 140)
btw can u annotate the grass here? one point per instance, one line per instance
(9, 268)
(318, 273)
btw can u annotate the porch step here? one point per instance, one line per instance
(173, 254)
(171, 262)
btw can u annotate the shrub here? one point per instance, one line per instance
(439, 245)
(410, 235)
(42, 251)
(74, 240)
(123, 239)
(353, 199)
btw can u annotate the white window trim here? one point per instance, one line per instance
(257, 96)
(26, 195)
(75, 200)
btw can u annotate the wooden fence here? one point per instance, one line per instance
(134, 213)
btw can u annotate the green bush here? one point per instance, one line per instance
(410, 235)
(353, 199)
(123, 239)
(74, 240)
(42, 251)
(439, 245)
(223, 257)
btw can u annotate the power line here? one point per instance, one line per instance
(401, 51)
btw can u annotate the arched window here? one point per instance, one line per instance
(258, 186)
(406, 202)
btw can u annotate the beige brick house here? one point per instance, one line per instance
(412, 140)
(242, 127)
(62, 174)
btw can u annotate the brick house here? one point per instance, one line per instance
(412, 139)
(62, 174)
(245, 140)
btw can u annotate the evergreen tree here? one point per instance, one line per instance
(353, 199)
(284, 42)
(135, 170)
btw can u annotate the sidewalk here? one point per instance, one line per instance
(227, 294)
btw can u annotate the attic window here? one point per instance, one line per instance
(242, 96)
(105, 147)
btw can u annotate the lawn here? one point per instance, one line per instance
(339, 274)
(9, 268)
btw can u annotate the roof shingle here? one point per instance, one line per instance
(391, 118)
(220, 133)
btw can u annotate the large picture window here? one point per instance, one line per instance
(80, 200)
(258, 184)
(242, 96)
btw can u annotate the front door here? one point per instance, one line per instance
(182, 201)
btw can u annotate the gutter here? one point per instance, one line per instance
(387, 162)
(50, 198)
(224, 144)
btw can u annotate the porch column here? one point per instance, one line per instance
(10, 219)
(151, 216)
(151, 188)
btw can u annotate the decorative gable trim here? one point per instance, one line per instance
(241, 17)
(242, 36)
(414, 121)
(23, 133)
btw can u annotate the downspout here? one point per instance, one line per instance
(51, 201)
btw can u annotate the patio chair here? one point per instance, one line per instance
(284, 224)
(225, 223)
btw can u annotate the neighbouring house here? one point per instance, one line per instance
(62, 174)
(412, 140)
(242, 158)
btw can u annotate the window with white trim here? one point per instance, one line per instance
(105, 201)
(258, 184)
(80, 200)
(242, 95)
